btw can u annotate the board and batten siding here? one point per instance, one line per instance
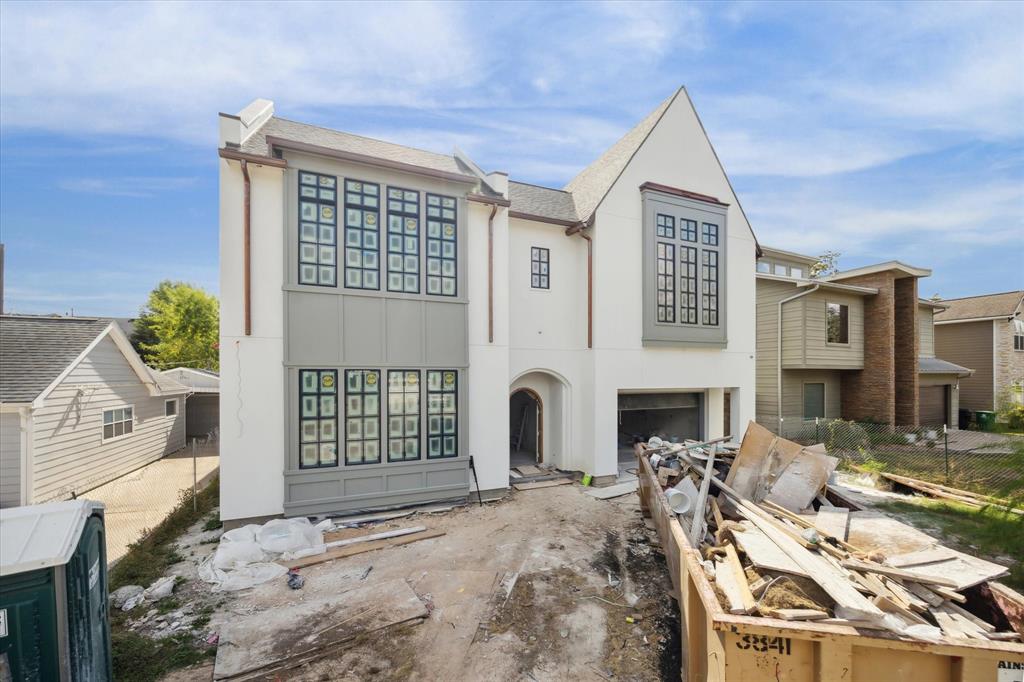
(10, 459)
(969, 344)
(926, 331)
(69, 454)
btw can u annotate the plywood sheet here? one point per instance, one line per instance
(611, 491)
(801, 480)
(923, 556)
(965, 570)
(764, 553)
(833, 520)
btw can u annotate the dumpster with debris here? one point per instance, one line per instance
(776, 581)
(53, 593)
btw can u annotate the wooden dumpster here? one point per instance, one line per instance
(721, 647)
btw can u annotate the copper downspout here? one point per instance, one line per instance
(246, 250)
(490, 273)
(578, 230)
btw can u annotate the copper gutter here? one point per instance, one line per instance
(577, 229)
(246, 248)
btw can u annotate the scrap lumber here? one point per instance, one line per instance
(716, 512)
(872, 567)
(733, 561)
(963, 571)
(957, 628)
(964, 613)
(342, 552)
(944, 491)
(891, 606)
(729, 583)
(806, 475)
(383, 535)
(1011, 603)
(749, 465)
(833, 521)
(924, 594)
(763, 553)
(698, 523)
(798, 614)
(612, 491)
(922, 556)
(533, 485)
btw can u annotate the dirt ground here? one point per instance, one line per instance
(546, 584)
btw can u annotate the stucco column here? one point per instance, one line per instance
(714, 413)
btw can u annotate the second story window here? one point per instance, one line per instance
(1018, 335)
(837, 322)
(442, 245)
(362, 250)
(403, 240)
(318, 236)
(540, 268)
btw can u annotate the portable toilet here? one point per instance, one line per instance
(53, 593)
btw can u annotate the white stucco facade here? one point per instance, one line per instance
(540, 336)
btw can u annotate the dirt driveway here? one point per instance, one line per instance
(582, 568)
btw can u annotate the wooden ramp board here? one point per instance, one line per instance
(254, 646)
(530, 470)
(360, 548)
(533, 485)
(764, 553)
(833, 520)
(611, 491)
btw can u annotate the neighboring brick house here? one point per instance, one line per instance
(986, 332)
(856, 345)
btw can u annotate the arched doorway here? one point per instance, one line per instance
(526, 427)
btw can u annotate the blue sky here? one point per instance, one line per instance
(879, 130)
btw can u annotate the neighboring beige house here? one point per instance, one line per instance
(78, 408)
(202, 409)
(986, 333)
(856, 345)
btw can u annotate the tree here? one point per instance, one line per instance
(828, 264)
(179, 327)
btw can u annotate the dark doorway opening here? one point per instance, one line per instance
(526, 427)
(673, 417)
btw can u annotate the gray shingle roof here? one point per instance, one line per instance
(991, 305)
(35, 350)
(347, 142)
(938, 366)
(542, 201)
(594, 181)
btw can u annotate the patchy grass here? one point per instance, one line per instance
(991, 530)
(135, 656)
(149, 557)
(212, 522)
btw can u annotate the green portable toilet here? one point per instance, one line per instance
(53, 593)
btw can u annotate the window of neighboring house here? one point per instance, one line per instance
(442, 413)
(118, 422)
(837, 321)
(442, 245)
(170, 407)
(764, 266)
(362, 416)
(318, 418)
(318, 241)
(814, 401)
(1018, 335)
(540, 267)
(796, 272)
(362, 247)
(403, 415)
(780, 269)
(403, 240)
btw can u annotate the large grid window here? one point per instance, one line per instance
(318, 235)
(709, 234)
(688, 285)
(403, 240)
(403, 415)
(362, 247)
(709, 287)
(118, 423)
(666, 285)
(318, 418)
(362, 416)
(687, 230)
(665, 226)
(441, 245)
(540, 267)
(442, 413)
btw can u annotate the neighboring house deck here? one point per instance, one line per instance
(78, 408)
(987, 333)
(856, 345)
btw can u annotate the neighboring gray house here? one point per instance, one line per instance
(78, 408)
(202, 408)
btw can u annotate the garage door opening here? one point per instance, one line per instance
(673, 417)
(934, 405)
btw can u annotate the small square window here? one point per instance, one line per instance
(170, 408)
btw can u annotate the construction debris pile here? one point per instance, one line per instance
(773, 544)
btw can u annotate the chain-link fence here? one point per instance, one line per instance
(986, 463)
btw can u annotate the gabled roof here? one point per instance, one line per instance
(591, 185)
(336, 140)
(985, 307)
(534, 200)
(35, 350)
(770, 252)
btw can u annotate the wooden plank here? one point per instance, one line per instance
(728, 583)
(923, 593)
(1011, 603)
(905, 596)
(360, 548)
(697, 525)
(834, 521)
(530, 470)
(922, 556)
(369, 537)
(964, 613)
(798, 614)
(733, 561)
(963, 571)
(890, 606)
(954, 627)
(764, 553)
(940, 490)
(533, 485)
(716, 512)
(611, 491)
(857, 565)
(849, 602)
